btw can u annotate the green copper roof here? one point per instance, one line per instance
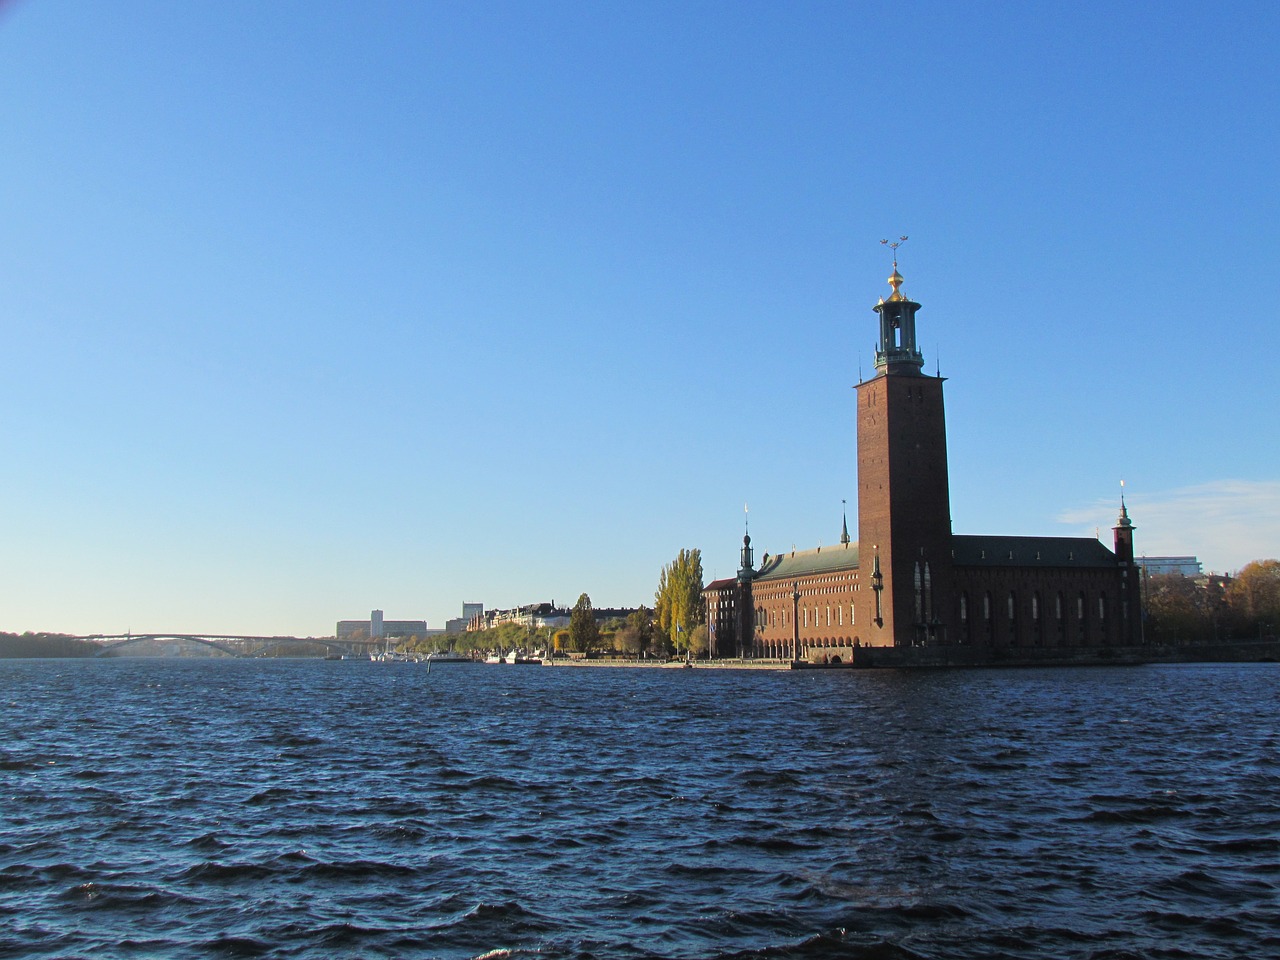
(983, 551)
(805, 563)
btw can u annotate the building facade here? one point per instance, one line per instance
(1185, 566)
(908, 580)
(378, 628)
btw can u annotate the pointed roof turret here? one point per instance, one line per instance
(1123, 520)
(1123, 532)
(844, 523)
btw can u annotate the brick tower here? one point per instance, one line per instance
(904, 505)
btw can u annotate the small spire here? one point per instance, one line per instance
(1123, 520)
(844, 523)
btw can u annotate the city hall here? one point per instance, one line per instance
(907, 581)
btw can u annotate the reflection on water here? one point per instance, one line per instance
(318, 809)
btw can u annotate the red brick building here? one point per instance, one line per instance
(909, 581)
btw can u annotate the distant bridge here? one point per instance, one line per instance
(229, 644)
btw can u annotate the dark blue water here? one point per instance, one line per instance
(317, 809)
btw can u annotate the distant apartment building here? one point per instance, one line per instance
(542, 615)
(1156, 566)
(377, 628)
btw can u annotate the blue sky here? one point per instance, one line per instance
(308, 308)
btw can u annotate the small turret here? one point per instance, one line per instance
(1123, 532)
(746, 564)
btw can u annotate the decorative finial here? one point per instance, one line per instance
(844, 523)
(895, 279)
(894, 245)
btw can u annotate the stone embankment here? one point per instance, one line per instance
(1243, 651)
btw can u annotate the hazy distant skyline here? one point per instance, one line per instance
(314, 308)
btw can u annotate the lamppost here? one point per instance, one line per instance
(877, 585)
(795, 621)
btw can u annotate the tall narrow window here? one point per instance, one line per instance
(928, 592)
(919, 585)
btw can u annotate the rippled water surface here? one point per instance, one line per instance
(318, 809)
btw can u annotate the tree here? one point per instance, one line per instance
(678, 604)
(584, 633)
(699, 640)
(1254, 597)
(1178, 609)
(636, 637)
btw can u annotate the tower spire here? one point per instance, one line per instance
(897, 351)
(1123, 531)
(844, 522)
(747, 560)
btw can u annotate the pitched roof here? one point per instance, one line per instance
(985, 551)
(805, 563)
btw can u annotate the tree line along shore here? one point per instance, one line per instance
(1179, 611)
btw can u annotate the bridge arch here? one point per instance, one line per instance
(140, 638)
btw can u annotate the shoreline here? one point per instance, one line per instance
(951, 657)
(674, 664)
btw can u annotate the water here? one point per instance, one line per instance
(318, 809)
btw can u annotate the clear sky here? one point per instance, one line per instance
(310, 307)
